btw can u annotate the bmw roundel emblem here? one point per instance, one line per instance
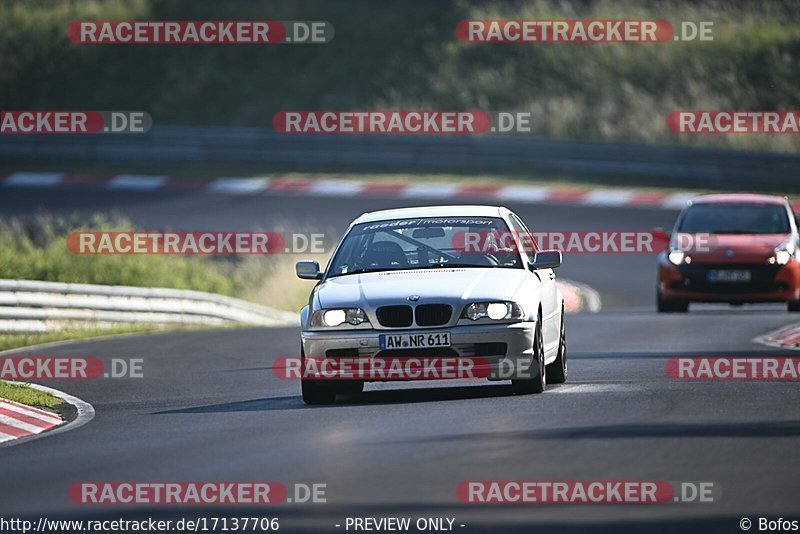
(728, 253)
(413, 298)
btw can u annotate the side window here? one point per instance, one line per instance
(354, 249)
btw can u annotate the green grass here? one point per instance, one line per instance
(36, 250)
(27, 395)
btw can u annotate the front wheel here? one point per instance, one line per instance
(557, 371)
(671, 306)
(316, 393)
(313, 391)
(350, 387)
(537, 383)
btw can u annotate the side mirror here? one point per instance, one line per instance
(546, 259)
(308, 270)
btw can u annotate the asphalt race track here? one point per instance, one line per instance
(210, 408)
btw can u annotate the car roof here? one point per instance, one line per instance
(738, 198)
(432, 211)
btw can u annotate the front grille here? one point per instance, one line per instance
(696, 278)
(433, 314)
(490, 349)
(341, 353)
(433, 352)
(395, 316)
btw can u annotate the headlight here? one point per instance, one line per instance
(676, 257)
(336, 316)
(782, 255)
(497, 311)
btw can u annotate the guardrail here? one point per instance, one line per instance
(265, 149)
(33, 306)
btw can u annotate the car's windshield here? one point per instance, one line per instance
(423, 243)
(735, 219)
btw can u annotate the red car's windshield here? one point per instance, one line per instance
(735, 219)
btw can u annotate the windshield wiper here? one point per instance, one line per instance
(362, 271)
(721, 232)
(439, 265)
(442, 265)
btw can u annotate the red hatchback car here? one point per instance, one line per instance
(734, 248)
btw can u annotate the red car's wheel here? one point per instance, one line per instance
(671, 306)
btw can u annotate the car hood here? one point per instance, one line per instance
(452, 286)
(736, 248)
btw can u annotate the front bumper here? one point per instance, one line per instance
(500, 348)
(770, 283)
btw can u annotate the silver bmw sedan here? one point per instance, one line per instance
(433, 293)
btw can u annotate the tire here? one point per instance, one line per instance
(793, 306)
(313, 392)
(535, 384)
(671, 306)
(557, 371)
(350, 387)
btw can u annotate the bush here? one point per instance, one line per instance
(36, 250)
(403, 53)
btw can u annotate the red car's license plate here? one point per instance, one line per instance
(729, 276)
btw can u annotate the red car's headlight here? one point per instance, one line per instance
(677, 257)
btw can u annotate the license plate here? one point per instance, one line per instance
(414, 341)
(728, 276)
